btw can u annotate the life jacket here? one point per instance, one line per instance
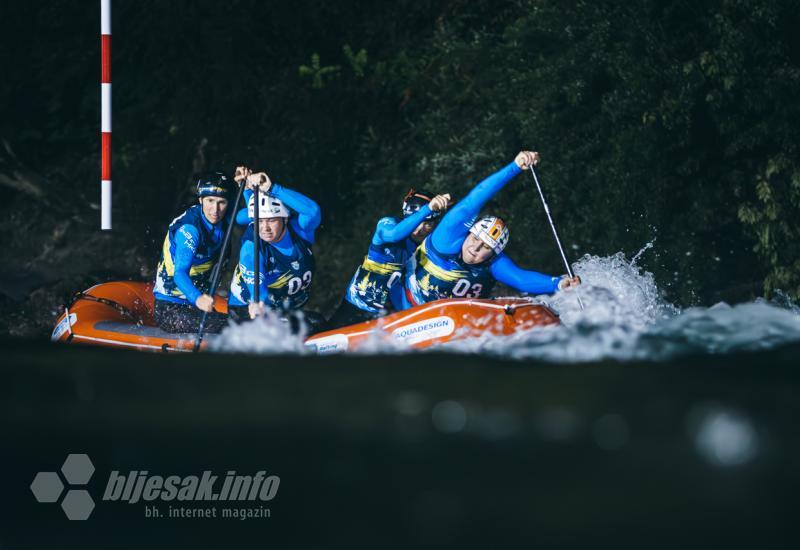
(288, 277)
(205, 255)
(381, 269)
(431, 275)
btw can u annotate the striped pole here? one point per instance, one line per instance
(105, 115)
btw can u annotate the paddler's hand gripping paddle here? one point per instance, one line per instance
(215, 275)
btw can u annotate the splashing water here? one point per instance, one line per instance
(626, 318)
(268, 334)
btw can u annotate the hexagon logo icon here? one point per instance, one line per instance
(47, 487)
(78, 504)
(77, 470)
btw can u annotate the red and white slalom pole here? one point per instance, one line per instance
(105, 115)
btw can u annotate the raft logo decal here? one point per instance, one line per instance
(77, 470)
(329, 344)
(425, 330)
(63, 326)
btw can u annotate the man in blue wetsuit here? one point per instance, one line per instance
(190, 250)
(393, 242)
(464, 258)
(288, 221)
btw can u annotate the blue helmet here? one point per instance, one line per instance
(213, 184)
(416, 199)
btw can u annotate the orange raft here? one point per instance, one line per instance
(120, 314)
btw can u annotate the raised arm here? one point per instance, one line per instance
(391, 231)
(309, 214)
(240, 177)
(523, 280)
(451, 231)
(242, 218)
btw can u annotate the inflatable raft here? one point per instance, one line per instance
(120, 314)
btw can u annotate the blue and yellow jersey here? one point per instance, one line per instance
(390, 248)
(381, 269)
(431, 275)
(190, 249)
(437, 271)
(285, 275)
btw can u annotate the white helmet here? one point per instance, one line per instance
(493, 231)
(269, 207)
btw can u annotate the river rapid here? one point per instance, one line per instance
(624, 317)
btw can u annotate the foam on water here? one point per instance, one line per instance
(626, 318)
(267, 334)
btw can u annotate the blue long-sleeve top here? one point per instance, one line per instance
(389, 230)
(452, 230)
(286, 270)
(391, 246)
(524, 280)
(187, 239)
(294, 258)
(448, 237)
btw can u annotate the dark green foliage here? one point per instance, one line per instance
(673, 120)
(655, 120)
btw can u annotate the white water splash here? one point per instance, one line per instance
(626, 318)
(265, 335)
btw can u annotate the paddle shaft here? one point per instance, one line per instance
(215, 274)
(257, 244)
(553, 227)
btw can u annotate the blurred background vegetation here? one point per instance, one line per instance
(666, 120)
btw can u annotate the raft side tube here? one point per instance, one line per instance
(120, 314)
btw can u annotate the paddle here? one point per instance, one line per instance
(215, 274)
(555, 233)
(257, 244)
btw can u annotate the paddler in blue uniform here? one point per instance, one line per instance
(190, 250)
(463, 256)
(288, 221)
(393, 243)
